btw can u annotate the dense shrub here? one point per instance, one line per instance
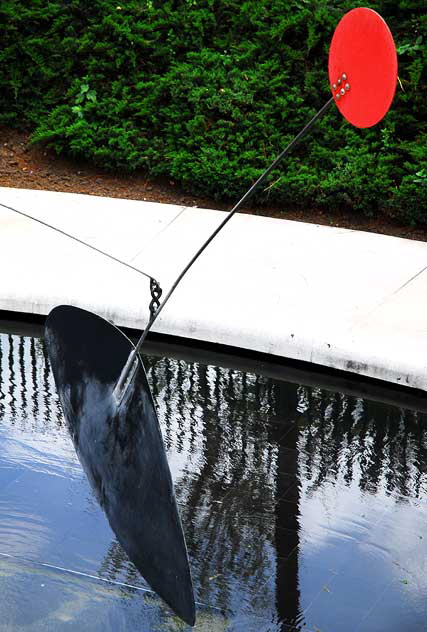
(209, 92)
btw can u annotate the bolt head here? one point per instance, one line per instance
(342, 92)
(337, 96)
(334, 86)
(347, 86)
(344, 76)
(339, 81)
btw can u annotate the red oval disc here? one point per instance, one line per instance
(363, 67)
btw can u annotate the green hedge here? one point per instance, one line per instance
(209, 92)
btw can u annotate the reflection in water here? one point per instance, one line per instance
(301, 507)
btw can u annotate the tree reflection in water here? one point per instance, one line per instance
(246, 453)
(247, 447)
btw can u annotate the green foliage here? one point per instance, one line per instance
(209, 93)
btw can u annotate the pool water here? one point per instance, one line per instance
(304, 509)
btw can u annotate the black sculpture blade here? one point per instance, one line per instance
(121, 449)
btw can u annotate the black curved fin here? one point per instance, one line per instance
(121, 449)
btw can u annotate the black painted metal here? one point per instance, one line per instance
(121, 384)
(234, 210)
(121, 449)
(156, 292)
(110, 412)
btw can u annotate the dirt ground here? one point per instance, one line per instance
(32, 167)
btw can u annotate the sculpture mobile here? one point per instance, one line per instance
(100, 375)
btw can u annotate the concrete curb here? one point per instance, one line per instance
(344, 299)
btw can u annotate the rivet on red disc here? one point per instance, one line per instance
(363, 67)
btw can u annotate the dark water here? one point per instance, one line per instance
(303, 509)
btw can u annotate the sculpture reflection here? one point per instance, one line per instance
(121, 449)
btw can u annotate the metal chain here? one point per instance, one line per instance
(155, 289)
(156, 292)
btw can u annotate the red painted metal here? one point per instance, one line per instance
(363, 50)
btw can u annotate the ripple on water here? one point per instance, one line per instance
(21, 531)
(37, 598)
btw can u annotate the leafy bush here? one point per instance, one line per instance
(209, 92)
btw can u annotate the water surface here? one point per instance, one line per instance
(304, 509)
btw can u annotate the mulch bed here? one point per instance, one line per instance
(32, 167)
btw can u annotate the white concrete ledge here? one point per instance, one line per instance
(343, 299)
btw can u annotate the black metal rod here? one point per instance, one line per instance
(121, 384)
(234, 210)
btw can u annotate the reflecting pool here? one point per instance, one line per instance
(304, 509)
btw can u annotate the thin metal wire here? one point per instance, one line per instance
(124, 378)
(79, 241)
